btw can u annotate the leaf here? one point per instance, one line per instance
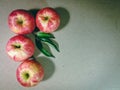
(42, 49)
(51, 43)
(44, 35)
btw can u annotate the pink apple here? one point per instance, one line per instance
(47, 20)
(21, 22)
(20, 48)
(29, 73)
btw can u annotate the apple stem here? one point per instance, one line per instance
(32, 58)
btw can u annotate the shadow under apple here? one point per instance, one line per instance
(64, 17)
(48, 65)
(37, 51)
(34, 11)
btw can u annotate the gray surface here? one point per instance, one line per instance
(89, 40)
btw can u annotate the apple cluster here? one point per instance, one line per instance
(21, 48)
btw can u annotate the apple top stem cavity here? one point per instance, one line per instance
(29, 73)
(21, 21)
(47, 20)
(20, 48)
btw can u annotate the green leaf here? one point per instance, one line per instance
(51, 43)
(42, 49)
(44, 35)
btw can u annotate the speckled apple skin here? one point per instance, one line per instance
(35, 70)
(28, 22)
(50, 25)
(25, 51)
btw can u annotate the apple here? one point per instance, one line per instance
(21, 21)
(20, 48)
(47, 20)
(29, 73)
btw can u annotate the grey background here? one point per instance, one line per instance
(89, 39)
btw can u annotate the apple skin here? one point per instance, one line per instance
(21, 21)
(20, 48)
(29, 73)
(47, 20)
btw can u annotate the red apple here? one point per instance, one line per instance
(20, 48)
(29, 73)
(21, 22)
(47, 20)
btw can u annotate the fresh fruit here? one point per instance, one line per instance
(47, 20)
(21, 22)
(29, 73)
(20, 48)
